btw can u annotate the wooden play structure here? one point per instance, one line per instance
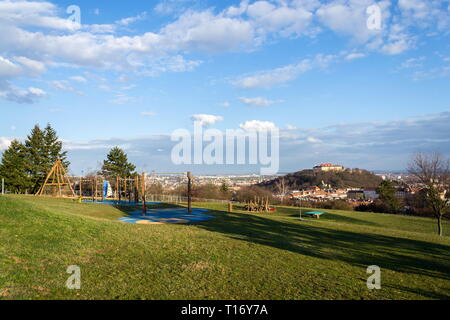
(97, 189)
(259, 205)
(57, 183)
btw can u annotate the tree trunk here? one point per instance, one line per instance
(440, 226)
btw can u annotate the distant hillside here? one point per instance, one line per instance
(355, 178)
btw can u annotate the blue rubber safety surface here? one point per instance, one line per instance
(171, 215)
(120, 203)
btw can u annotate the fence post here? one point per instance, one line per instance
(189, 176)
(3, 185)
(144, 208)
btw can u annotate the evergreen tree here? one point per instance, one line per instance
(117, 165)
(13, 168)
(53, 149)
(35, 158)
(42, 150)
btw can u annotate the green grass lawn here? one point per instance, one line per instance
(234, 256)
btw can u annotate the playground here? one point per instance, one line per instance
(124, 192)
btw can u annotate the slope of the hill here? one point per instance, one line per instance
(234, 256)
(355, 178)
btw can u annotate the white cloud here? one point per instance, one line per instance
(19, 95)
(269, 78)
(37, 35)
(100, 28)
(257, 125)
(34, 14)
(259, 102)
(269, 17)
(129, 20)
(65, 86)
(122, 98)
(353, 56)
(206, 119)
(8, 69)
(4, 143)
(291, 127)
(78, 79)
(313, 140)
(412, 63)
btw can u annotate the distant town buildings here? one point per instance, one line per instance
(328, 167)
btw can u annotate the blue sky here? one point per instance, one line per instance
(130, 73)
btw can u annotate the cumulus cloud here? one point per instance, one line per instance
(257, 125)
(206, 119)
(258, 101)
(35, 36)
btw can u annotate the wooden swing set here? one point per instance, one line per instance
(58, 184)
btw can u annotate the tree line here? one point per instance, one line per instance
(25, 165)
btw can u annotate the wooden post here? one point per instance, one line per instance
(189, 176)
(81, 188)
(96, 189)
(119, 191)
(144, 208)
(136, 188)
(117, 188)
(230, 207)
(93, 189)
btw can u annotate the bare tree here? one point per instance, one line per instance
(281, 186)
(432, 170)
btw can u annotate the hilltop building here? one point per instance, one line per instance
(328, 167)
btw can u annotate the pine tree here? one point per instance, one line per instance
(35, 158)
(53, 149)
(117, 165)
(42, 150)
(13, 168)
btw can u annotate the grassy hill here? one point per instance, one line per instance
(356, 178)
(234, 256)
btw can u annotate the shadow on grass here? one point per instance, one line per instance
(127, 208)
(331, 217)
(359, 249)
